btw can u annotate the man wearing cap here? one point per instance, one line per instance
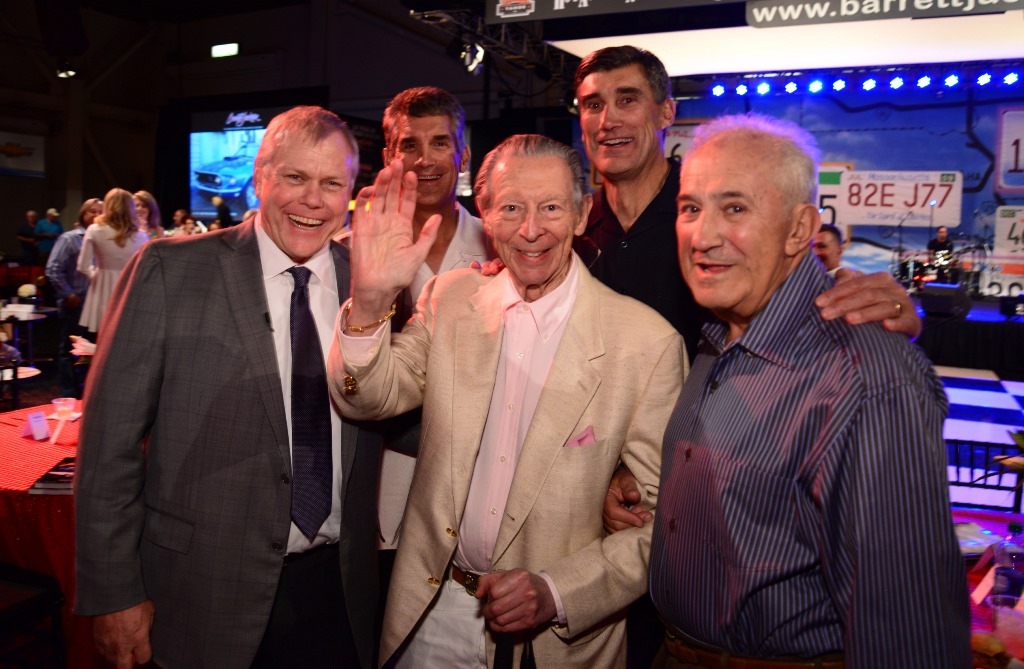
(47, 231)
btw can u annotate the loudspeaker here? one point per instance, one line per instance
(945, 300)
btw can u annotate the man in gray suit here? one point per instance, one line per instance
(205, 536)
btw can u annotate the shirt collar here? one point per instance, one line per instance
(274, 261)
(551, 310)
(772, 331)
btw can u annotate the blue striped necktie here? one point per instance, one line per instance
(311, 416)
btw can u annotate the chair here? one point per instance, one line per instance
(27, 599)
(9, 380)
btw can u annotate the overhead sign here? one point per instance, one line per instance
(775, 13)
(913, 199)
(507, 11)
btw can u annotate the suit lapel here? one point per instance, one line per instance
(478, 348)
(349, 432)
(569, 387)
(243, 279)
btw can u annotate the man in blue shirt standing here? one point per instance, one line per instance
(70, 287)
(47, 231)
(803, 518)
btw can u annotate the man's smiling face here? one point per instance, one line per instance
(428, 146)
(304, 193)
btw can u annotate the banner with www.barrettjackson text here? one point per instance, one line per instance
(777, 13)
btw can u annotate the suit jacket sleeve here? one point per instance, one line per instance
(613, 569)
(120, 405)
(393, 380)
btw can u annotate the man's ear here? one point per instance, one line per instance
(464, 159)
(668, 113)
(257, 182)
(805, 223)
(385, 156)
(581, 226)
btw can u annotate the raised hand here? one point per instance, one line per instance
(384, 255)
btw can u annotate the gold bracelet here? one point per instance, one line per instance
(381, 321)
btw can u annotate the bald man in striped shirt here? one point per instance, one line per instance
(803, 518)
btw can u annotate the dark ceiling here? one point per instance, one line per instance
(175, 11)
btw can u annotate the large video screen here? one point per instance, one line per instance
(222, 152)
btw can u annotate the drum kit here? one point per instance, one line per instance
(961, 267)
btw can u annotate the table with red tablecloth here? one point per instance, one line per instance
(37, 532)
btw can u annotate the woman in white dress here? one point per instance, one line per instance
(109, 243)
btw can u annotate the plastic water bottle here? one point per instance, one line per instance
(1009, 558)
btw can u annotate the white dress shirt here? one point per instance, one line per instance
(323, 302)
(468, 245)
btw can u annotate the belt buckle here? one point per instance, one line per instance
(471, 583)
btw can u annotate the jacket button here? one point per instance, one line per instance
(450, 532)
(277, 546)
(433, 581)
(285, 480)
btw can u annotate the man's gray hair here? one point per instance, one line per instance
(795, 149)
(531, 146)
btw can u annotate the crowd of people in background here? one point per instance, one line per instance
(83, 263)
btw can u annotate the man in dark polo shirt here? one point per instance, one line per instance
(630, 242)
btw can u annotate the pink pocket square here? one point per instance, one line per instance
(584, 438)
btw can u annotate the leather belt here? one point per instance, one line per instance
(466, 579)
(689, 652)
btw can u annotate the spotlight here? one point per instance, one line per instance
(838, 85)
(951, 81)
(467, 52)
(869, 84)
(718, 90)
(896, 83)
(742, 89)
(924, 82)
(791, 87)
(1011, 78)
(64, 69)
(473, 57)
(815, 86)
(763, 88)
(984, 79)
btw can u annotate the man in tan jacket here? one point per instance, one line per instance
(535, 384)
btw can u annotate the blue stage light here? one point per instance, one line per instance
(951, 81)
(763, 88)
(924, 82)
(815, 86)
(838, 85)
(984, 79)
(869, 84)
(791, 87)
(1011, 78)
(718, 90)
(742, 89)
(896, 82)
